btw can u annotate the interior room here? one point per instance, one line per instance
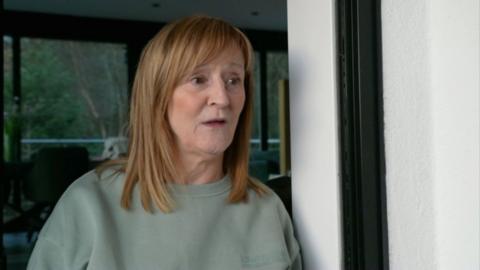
(66, 94)
(366, 121)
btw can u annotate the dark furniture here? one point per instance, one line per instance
(52, 170)
(282, 186)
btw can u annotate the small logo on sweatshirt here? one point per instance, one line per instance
(259, 260)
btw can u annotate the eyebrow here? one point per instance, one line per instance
(231, 64)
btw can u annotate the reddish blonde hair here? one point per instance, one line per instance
(169, 56)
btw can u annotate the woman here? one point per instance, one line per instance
(182, 198)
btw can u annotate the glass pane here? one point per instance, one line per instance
(277, 69)
(8, 104)
(73, 93)
(256, 124)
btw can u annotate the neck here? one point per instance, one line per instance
(196, 170)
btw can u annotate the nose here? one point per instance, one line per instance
(218, 95)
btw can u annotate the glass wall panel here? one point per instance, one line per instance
(256, 123)
(277, 69)
(8, 101)
(73, 93)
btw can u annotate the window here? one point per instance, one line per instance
(271, 67)
(8, 101)
(256, 123)
(72, 93)
(277, 70)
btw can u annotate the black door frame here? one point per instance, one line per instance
(365, 234)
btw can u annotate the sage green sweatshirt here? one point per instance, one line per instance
(88, 229)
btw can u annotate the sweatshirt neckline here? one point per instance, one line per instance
(210, 189)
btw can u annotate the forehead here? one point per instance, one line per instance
(231, 56)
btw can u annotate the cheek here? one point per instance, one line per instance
(181, 108)
(177, 116)
(172, 115)
(239, 102)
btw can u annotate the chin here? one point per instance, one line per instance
(216, 148)
(215, 151)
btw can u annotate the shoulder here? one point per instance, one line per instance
(270, 201)
(71, 227)
(94, 182)
(92, 192)
(269, 197)
(85, 199)
(271, 208)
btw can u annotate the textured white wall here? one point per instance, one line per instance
(408, 134)
(455, 56)
(313, 117)
(431, 99)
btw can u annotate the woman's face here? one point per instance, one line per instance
(205, 106)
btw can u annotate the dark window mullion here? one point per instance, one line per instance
(263, 102)
(3, 258)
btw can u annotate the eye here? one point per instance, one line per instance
(198, 79)
(234, 81)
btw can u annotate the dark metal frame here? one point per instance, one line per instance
(263, 101)
(3, 259)
(365, 235)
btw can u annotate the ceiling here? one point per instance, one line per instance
(252, 14)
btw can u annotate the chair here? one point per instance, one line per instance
(53, 170)
(282, 186)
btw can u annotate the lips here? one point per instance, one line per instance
(215, 122)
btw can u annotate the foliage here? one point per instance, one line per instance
(78, 90)
(71, 90)
(277, 69)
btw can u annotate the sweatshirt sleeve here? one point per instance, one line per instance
(297, 263)
(46, 255)
(49, 252)
(290, 239)
(64, 241)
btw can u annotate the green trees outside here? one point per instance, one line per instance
(8, 104)
(70, 90)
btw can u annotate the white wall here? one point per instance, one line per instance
(431, 93)
(408, 134)
(313, 118)
(455, 56)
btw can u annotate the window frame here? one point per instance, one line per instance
(365, 228)
(3, 259)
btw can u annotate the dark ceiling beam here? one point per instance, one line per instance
(109, 30)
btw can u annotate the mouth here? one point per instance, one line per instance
(218, 122)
